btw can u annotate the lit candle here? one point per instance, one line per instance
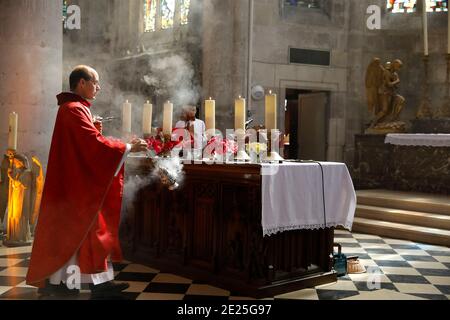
(12, 136)
(210, 114)
(271, 111)
(239, 113)
(147, 118)
(425, 27)
(126, 117)
(167, 118)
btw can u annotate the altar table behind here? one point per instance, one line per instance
(407, 162)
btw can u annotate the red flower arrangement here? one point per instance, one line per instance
(163, 144)
(217, 145)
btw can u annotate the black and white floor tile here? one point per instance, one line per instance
(396, 270)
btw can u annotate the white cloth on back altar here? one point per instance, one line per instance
(420, 139)
(292, 197)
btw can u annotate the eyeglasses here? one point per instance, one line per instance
(95, 82)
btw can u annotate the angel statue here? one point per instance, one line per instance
(382, 97)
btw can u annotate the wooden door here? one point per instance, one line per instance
(311, 134)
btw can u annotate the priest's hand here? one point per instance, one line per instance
(98, 124)
(138, 145)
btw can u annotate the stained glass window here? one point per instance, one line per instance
(410, 6)
(165, 14)
(313, 4)
(149, 15)
(65, 10)
(184, 8)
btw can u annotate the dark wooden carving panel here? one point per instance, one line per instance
(210, 230)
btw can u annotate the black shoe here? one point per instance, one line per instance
(108, 287)
(57, 290)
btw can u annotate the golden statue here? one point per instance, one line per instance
(21, 183)
(382, 97)
(19, 174)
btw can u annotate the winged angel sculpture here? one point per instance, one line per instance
(382, 97)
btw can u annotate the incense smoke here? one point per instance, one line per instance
(173, 77)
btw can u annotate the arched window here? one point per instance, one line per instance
(409, 6)
(165, 14)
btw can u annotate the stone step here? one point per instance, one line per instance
(423, 219)
(410, 201)
(402, 231)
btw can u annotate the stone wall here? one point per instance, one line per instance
(275, 31)
(30, 71)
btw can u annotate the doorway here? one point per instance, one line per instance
(306, 118)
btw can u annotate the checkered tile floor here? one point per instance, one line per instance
(397, 270)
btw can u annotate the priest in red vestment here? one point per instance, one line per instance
(76, 237)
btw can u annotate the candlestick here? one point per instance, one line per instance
(425, 110)
(147, 118)
(210, 114)
(126, 117)
(273, 142)
(12, 134)
(239, 113)
(448, 32)
(425, 27)
(167, 118)
(444, 111)
(271, 111)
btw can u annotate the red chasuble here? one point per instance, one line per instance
(81, 201)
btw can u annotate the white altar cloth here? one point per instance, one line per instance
(420, 139)
(292, 196)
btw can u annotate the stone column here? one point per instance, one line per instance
(224, 56)
(30, 71)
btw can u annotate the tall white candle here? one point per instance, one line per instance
(167, 118)
(425, 27)
(12, 134)
(239, 113)
(448, 33)
(147, 118)
(271, 111)
(210, 114)
(126, 117)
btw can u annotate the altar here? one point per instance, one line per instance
(255, 229)
(408, 162)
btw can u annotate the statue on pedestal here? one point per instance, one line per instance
(21, 185)
(382, 97)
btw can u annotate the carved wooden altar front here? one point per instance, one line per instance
(210, 230)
